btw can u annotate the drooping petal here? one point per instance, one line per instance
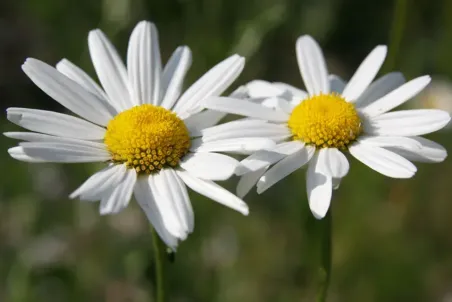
(312, 66)
(147, 202)
(365, 73)
(213, 191)
(168, 199)
(181, 198)
(332, 162)
(103, 181)
(120, 196)
(144, 65)
(319, 188)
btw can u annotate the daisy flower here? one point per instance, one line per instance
(333, 118)
(154, 140)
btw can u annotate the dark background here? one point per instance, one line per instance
(392, 238)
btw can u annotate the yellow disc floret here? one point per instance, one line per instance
(147, 138)
(325, 121)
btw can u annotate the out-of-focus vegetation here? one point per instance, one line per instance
(392, 238)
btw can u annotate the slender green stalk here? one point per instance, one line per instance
(325, 260)
(158, 258)
(397, 29)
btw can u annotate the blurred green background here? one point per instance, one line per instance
(392, 238)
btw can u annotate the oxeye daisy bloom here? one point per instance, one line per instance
(154, 140)
(333, 118)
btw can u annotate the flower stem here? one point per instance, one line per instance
(325, 261)
(397, 29)
(158, 249)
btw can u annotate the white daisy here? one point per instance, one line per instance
(331, 118)
(154, 140)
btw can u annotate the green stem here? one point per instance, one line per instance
(325, 262)
(158, 258)
(397, 28)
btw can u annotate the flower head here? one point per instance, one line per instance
(155, 139)
(333, 118)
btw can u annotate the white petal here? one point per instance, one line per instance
(105, 180)
(380, 88)
(147, 202)
(55, 123)
(285, 106)
(76, 74)
(332, 162)
(245, 108)
(391, 141)
(336, 83)
(294, 91)
(263, 158)
(263, 89)
(204, 119)
(213, 191)
(120, 195)
(247, 182)
(365, 73)
(167, 200)
(283, 168)
(44, 138)
(68, 93)
(312, 66)
(208, 118)
(174, 74)
(319, 188)
(19, 154)
(244, 128)
(244, 145)
(407, 122)
(397, 97)
(210, 166)
(63, 153)
(383, 161)
(429, 152)
(212, 83)
(180, 198)
(110, 70)
(144, 65)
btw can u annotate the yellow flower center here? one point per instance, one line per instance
(147, 138)
(325, 121)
